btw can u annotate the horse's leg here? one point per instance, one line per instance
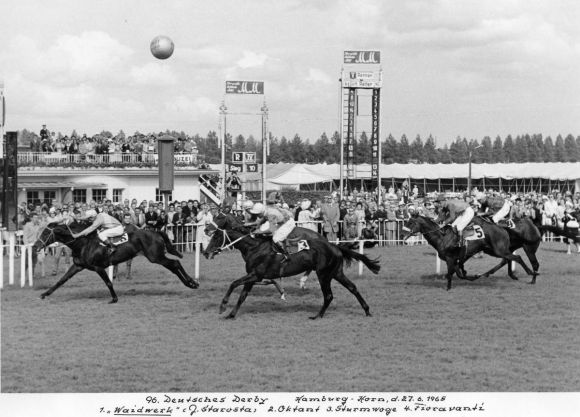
(492, 270)
(243, 294)
(129, 264)
(74, 269)
(175, 266)
(517, 258)
(276, 284)
(349, 285)
(105, 277)
(451, 269)
(324, 278)
(115, 271)
(530, 251)
(233, 286)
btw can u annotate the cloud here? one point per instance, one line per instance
(183, 105)
(318, 76)
(70, 60)
(252, 60)
(153, 73)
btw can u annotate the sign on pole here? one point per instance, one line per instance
(244, 87)
(363, 79)
(362, 57)
(237, 157)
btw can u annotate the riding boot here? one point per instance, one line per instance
(110, 247)
(280, 247)
(459, 238)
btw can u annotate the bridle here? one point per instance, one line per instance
(227, 241)
(51, 235)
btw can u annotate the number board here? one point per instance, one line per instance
(250, 157)
(251, 167)
(237, 157)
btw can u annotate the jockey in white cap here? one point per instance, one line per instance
(107, 225)
(281, 224)
(457, 212)
(498, 206)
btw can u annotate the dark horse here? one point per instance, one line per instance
(569, 235)
(89, 253)
(263, 263)
(524, 234)
(496, 242)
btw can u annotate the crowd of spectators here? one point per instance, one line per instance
(102, 144)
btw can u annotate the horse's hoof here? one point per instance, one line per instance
(283, 297)
(113, 301)
(368, 314)
(222, 308)
(514, 278)
(230, 316)
(313, 318)
(43, 296)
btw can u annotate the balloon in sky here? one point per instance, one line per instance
(162, 47)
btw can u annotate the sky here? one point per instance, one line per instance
(450, 68)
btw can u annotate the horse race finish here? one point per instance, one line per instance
(495, 242)
(89, 253)
(262, 262)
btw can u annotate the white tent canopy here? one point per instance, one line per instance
(300, 174)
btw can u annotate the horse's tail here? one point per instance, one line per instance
(349, 255)
(169, 246)
(556, 230)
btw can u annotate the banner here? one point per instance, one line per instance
(362, 57)
(244, 87)
(9, 186)
(375, 137)
(350, 136)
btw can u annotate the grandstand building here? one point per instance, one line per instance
(43, 177)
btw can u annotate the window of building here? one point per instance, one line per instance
(32, 198)
(117, 195)
(48, 196)
(99, 194)
(159, 195)
(79, 196)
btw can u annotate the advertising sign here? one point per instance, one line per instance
(236, 167)
(244, 87)
(362, 57)
(363, 79)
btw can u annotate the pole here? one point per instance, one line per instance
(360, 264)
(197, 250)
(30, 283)
(469, 176)
(222, 141)
(264, 110)
(340, 132)
(11, 253)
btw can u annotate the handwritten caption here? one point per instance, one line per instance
(174, 405)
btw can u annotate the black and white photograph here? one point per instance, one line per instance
(312, 208)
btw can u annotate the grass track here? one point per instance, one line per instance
(493, 334)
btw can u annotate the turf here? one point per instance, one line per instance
(493, 334)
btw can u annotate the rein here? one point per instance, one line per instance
(227, 238)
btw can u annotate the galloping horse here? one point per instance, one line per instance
(570, 237)
(524, 234)
(495, 242)
(89, 253)
(262, 262)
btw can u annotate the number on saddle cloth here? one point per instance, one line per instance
(473, 232)
(119, 240)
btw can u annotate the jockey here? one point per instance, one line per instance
(457, 212)
(107, 225)
(499, 206)
(281, 223)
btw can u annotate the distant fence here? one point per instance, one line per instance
(118, 158)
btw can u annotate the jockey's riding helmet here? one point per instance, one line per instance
(257, 208)
(90, 213)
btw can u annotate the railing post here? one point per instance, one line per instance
(11, 247)
(360, 263)
(23, 266)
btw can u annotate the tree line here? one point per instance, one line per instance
(522, 148)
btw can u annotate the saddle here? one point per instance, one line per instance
(508, 224)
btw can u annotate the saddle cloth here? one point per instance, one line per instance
(295, 246)
(118, 240)
(473, 232)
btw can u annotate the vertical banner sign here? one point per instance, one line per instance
(2, 118)
(350, 137)
(375, 112)
(9, 168)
